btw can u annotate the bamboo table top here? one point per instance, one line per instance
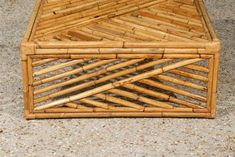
(121, 20)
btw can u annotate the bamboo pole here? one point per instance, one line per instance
(97, 104)
(119, 44)
(189, 75)
(162, 96)
(33, 30)
(88, 110)
(210, 82)
(198, 68)
(215, 84)
(30, 82)
(118, 114)
(141, 98)
(173, 89)
(119, 109)
(57, 67)
(43, 61)
(180, 82)
(120, 101)
(32, 20)
(25, 87)
(77, 106)
(208, 20)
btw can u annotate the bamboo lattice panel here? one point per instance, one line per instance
(120, 58)
(94, 84)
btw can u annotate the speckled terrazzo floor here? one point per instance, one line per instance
(112, 137)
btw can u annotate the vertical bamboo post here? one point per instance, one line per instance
(210, 82)
(30, 85)
(215, 84)
(25, 86)
(27, 48)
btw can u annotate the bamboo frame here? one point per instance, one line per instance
(112, 32)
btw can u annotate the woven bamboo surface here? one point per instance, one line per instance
(120, 20)
(120, 58)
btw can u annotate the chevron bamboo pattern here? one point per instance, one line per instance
(120, 58)
(126, 20)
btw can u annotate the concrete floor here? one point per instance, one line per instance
(112, 137)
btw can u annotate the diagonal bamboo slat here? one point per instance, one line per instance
(118, 83)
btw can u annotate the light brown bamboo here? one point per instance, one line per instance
(32, 20)
(33, 31)
(141, 98)
(57, 67)
(181, 115)
(118, 83)
(171, 32)
(198, 68)
(25, 86)
(103, 79)
(87, 76)
(46, 56)
(80, 44)
(210, 82)
(82, 20)
(180, 82)
(173, 89)
(119, 44)
(107, 31)
(43, 61)
(76, 106)
(118, 114)
(97, 103)
(162, 96)
(68, 73)
(117, 109)
(204, 22)
(215, 84)
(207, 20)
(30, 82)
(66, 110)
(143, 28)
(94, 56)
(87, 19)
(189, 75)
(120, 101)
(88, 110)
(176, 109)
(202, 110)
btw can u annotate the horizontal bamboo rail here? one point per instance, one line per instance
(165, 51)
(119, 109)
(118, 114)
(120, 44)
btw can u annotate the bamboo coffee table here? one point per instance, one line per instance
(120, 58)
